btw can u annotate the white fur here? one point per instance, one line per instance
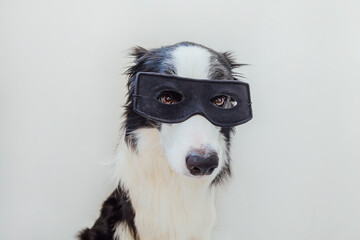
(170, 205)
(167, 205)
(191, 61)
(195, 133)
(122, 232)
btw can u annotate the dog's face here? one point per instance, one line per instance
(195, 147)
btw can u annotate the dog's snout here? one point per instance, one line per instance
(201, 164)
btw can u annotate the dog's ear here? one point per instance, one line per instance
(229, 57)
(138, 52)
(232, 64)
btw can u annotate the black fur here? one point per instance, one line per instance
(225, 172)
(117, 208)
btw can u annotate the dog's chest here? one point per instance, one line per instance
(167, 206)
(171, 209)
(168, 214)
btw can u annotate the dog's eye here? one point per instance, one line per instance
(224, 101)
(167, 99)
(170, 97)
(219, 100)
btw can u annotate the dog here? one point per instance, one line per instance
(160, 195)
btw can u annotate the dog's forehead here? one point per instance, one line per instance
(198, 62)
(191, 62)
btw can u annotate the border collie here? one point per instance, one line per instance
(157, 197)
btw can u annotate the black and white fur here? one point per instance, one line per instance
(157, 198)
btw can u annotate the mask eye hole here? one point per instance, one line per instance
(224, 101)
(170, 97)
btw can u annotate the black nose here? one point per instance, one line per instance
(199, 164)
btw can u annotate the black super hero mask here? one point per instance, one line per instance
(173, 99)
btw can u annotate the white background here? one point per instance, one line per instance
(296, 164)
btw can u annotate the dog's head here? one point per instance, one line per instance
(194, 147)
